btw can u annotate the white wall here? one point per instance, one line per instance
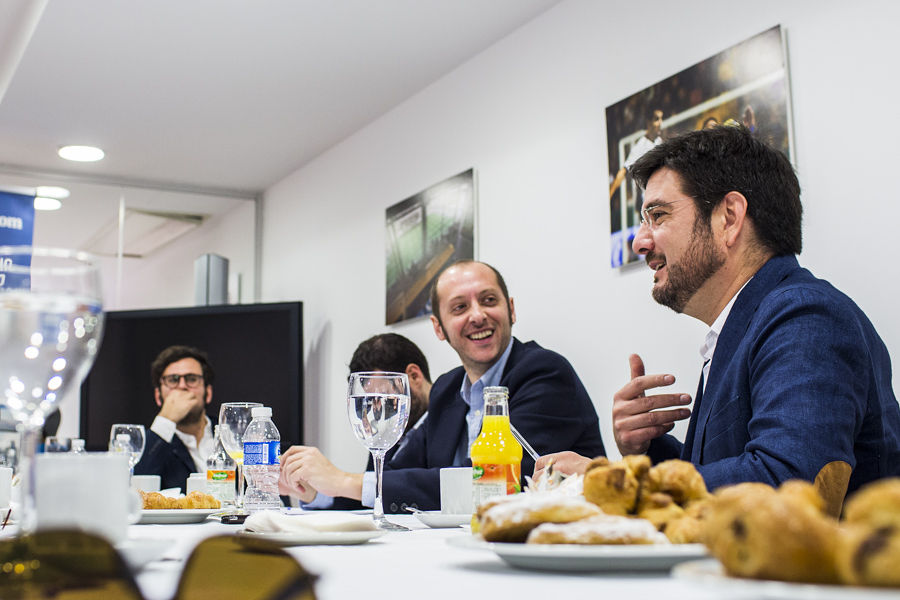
(528, 114)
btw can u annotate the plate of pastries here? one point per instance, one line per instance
(623, 515)
(781, 543)
(192, 508)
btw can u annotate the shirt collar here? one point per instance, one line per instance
(712, 336)
(491, 377)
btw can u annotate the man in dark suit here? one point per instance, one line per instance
(384, 352)
(548, 404)
(181, 437)
(795, 380)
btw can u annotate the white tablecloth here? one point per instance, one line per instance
(415, 565)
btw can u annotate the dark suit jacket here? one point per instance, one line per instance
(547, 403)
(170, 460)
(799, 378)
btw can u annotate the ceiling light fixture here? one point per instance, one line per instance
(44, 203)
(51, 191)
(81, 153)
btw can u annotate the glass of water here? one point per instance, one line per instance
(136, 438)
(378, 407)
(51, 321)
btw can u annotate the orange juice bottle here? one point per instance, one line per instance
(496, 455)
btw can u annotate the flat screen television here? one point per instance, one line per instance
(255, 351)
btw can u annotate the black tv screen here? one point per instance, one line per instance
(255, 351)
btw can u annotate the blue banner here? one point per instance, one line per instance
(16, 229)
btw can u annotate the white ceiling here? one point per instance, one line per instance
(226, 95)
(202, 103)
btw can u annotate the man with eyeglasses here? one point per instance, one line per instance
(795, 382)
(181, 438)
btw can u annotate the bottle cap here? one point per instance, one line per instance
(260, 411)
(77, 443)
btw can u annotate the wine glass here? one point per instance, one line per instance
(136, 437)
(51, 322)
(378, 407)
(233, 420)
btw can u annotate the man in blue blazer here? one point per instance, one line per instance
(548, 404)
(796, 377)
(181, 436)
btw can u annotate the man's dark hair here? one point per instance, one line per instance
(713, 162)
(435, 301)
(176, 353)
(388, 352)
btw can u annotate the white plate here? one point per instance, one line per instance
(313, 538)
(710, 572)
(439, 520)
(139, 552)
(575, 557)
(175, 515)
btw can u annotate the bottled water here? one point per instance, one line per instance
(262, 451)
(78, 446)
(121, 445)
(220, 473)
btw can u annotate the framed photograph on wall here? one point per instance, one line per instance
(424, 233)
(747, 83)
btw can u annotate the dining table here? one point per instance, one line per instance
(424, 562)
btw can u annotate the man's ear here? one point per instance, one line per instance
(208, 394)
(156, 396)
(512, 311)
(438, 330)
(734, 210)
(414, 373)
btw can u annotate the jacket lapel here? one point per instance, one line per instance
(447, 423)
(765, 280)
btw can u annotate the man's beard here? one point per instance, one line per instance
(687, 276)
(193, 417)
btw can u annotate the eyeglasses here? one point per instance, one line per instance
(71, 565)
(190, 379)
(651, 215)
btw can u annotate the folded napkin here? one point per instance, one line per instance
(273, 521)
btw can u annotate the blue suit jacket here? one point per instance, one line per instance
(170, 460)
(547, 403)
(799, 379)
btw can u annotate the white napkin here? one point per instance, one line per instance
(273, 521)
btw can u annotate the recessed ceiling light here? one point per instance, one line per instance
(81, 153)
(51, 191)
(44, 203)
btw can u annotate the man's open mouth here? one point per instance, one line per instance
(481, 335)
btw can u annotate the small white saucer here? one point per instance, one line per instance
(438, 520)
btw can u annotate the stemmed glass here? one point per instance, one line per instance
(233, 420)
(136, 440)
(378, 408)
(51, 322)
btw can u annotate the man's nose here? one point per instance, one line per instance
(643, 240)
(476, 314)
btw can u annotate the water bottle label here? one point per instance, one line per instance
(262, 453)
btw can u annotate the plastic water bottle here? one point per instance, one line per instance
(121, 445)
(262, 451)
(220, 473)
(78, 446)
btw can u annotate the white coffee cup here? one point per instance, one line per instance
(88, 491)
(196, 482)
(5, 486)
(147, 483)
(456, 490)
